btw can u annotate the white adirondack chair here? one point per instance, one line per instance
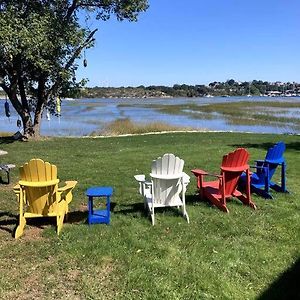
(167, 182)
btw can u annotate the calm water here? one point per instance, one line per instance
(82, 117)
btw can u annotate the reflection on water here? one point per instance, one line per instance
(82, 117)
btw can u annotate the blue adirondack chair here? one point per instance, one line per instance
(261, 180)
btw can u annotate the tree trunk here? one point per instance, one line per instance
(31, 128)
(28, 126)
(37, 123)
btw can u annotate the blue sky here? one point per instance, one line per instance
(197, 42)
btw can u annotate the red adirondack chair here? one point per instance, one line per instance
(233, 165)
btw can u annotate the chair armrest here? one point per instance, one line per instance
(260, 160)
(147, 183)
(258, 167)
(68, 185)
(140, 178)
(17, 189)
(7, 167)
(185, 178)
(145, 186)
(65, 192)
(198, 172)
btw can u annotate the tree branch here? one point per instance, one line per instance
(71, 10)
(75, 55)
(22, 93)
(18, 65)
(4, 87)
(40, 99)
(12, 93)
(77, 52)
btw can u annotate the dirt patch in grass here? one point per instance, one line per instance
(102, 283)
(33, 289)
(33, 233)
(83, 207)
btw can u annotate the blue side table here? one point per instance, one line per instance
(100, 215)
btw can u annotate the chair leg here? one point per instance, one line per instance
(20, 228)
(152, 215)
(261, 192)
(59, 222)
(184, 212)
(283, 178)
(222, 207)
(282, 187)
(185, 215)
(152, 219)
(221, 204)
(246, 201)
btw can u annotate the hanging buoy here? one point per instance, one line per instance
(6, 107)
(84, 60)
(19, 123)
(58, 106)
(48, 115)
(85, 63)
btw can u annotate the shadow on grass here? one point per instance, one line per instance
(132, 209)
(7, 140)
(11, 221)
(138, 209)
(197, 200)
(286, 286)
(74, 217)
(194, 199)
(266, 146)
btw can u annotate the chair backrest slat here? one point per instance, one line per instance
(40, 200)
(166, 190)
(237, 160)
(276, 152)
(274, 157)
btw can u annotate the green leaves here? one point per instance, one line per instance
(41, 40)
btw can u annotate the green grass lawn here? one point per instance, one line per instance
(245, 254)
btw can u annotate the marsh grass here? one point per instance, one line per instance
(245, 254)
(126, 126)
(239, 113)
(5, 134)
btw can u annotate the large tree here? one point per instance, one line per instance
(40, 42)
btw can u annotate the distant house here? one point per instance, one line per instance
(274, 93)
(279, 83)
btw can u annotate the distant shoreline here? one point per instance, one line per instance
(247, 97)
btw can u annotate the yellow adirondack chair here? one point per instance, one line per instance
(39, 195)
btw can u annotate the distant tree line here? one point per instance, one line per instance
(227, 88)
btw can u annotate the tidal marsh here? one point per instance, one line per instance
(236, 113)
